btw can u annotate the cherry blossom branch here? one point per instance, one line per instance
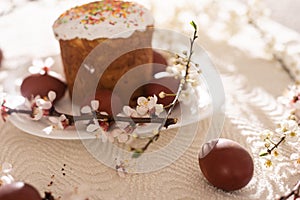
(275, 146)
(287, 131)
(294, 193)
(138, 151)
(262, 33)
(110, 119)
(18, 111)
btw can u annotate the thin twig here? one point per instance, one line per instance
(72, 119)
(274, 55)
(294, 193)
(276, 145)
(18, 111)
(139, 151)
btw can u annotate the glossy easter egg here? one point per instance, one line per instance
(159, 62)
(109, 102)
(41, 84)
(227, 166)
(168, 85)
(19, 191)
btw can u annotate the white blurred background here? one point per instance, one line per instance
(285, 12)
(26, 25)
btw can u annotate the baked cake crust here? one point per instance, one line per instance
(114, 23)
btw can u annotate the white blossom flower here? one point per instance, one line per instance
(187, 95)
(269, 163)
(178, 71)
(266, 134)
(94, 125)
(39, 65)
(5, 177)
(293, 96)
(270, 160)
(99, 128)
(130, 112)
(148, 106)
(41, 106)
(142, 108)
(51, 96)
(37, 113)
(290, 129)
(88, 109)
(159, 108)
(295, 158)
(152, 102)
(60, 122)
(287, 125)
(94, 105)
(121, 135)
(194, 78)
(277, 155)
(123, 131)
(291, 99)
(92, 128)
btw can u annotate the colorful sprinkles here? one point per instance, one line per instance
(101, 11)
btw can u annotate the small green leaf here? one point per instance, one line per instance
(194, 25)
(137, 153)
(264, 153)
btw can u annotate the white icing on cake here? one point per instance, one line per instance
(102, 19)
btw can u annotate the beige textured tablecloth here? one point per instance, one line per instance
(251, 85)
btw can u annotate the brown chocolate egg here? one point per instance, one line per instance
(159, 62)
(41, 84)
(108, 102)
(169, 85)
(227, 166)
(19, 191)
(159, 58)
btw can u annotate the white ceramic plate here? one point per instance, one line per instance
(186, 114)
